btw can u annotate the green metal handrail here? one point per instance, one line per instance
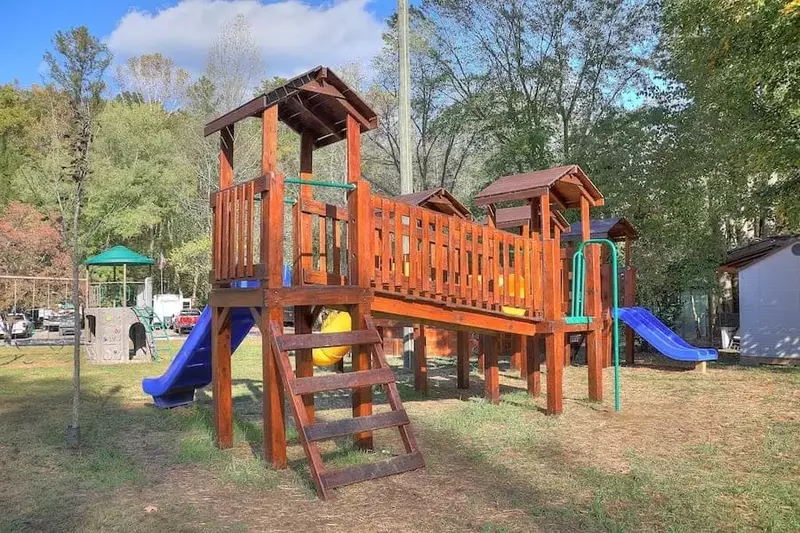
(317, 183)
(578, 300)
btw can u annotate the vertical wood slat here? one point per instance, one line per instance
(438, 255)
(231, 236)
(398, 247)
(452, 258)
(413, 256)
(526, 268)
(462, 270)
(518, 284)
(218, 236)
(224, 246)
(251, 215)
(405, 234)
(485, 266)
(426, 252)
(323, 245)
(507, 300)
(473, 268)
(386, 243)
(240, 236)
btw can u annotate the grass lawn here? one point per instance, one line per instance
(689, 452)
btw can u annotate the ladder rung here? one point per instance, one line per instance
(348, 426)
(288, 343)
(395, 465)
(350, 380)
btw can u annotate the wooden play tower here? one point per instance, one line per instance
(383, 258)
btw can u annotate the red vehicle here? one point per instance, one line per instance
(186, 321)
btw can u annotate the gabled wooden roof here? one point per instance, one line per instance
(437, 199)
(315, 102)
(514, 217)
(565, 185)
(616, 229)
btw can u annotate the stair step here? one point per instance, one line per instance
(346, 476)
(350, 380)
(348, 426)
(288, 343)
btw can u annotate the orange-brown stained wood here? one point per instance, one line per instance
(554, 342)
(226, 158)
(303, 357)
(594, 348)
(491, 373)
(221, 378)
(420, 360)
(462, 362)
(533, 366)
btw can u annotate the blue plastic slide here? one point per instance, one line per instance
(651, 329)
(191, 368)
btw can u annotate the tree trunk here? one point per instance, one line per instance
(73, 432)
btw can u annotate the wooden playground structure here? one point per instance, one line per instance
(382, 258)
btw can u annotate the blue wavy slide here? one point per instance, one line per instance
(663, 339)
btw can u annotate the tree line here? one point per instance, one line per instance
(685, 113)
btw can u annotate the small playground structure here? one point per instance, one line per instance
(119, 324)
(379, 258)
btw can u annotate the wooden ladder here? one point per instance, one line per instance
(311, 433)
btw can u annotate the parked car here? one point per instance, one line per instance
(186, 320)
(66, 324)
(20, 327)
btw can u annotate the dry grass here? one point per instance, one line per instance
(689, 452)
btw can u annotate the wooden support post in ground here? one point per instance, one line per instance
(491, 373)
(594, 351)
(220, 326)
(533, 365)
(221, 378)
(554, 342)
(420, 360)
(272, 259)
(359, 235)
(481, 353)
(523, 356)
(304, 364)
(462, 362)
(701, 367)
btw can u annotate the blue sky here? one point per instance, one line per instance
(183, 29)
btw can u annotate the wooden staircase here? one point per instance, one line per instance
(311, 433)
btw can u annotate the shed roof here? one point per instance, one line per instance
(315, 102)
(565, 185)
(437, 199)
(746, 255)
(616, 229)
(514, 217)
(118, 256)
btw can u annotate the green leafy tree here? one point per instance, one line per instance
(76, 67)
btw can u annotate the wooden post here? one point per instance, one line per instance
(594, 352)
(481, 353)
(491, 374)
(304, 364)
(272, 259)
(420, 360)
(522, 347)
(359, 237)
(220, 327)
(533, 365)
(221, 378)
(554, 342)
(462, 362)
(516, 352)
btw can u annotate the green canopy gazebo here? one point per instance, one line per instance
(118, 256)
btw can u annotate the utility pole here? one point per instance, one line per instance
(404, 123)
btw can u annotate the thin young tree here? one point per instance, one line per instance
(76, 67)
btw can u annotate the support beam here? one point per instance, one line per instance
(462, 362)
(420, 360)
(226, 157)
(482, 353)
(554, 346)
(594, 348)
(517, 344)
(533, 366)
(491, 373)
(221, 378)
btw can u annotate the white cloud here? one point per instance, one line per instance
(293, 35)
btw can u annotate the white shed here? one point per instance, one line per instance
(769, 300)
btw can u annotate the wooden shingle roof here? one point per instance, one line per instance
(315, 102)
(565, 185)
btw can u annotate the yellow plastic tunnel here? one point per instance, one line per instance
(336, 322)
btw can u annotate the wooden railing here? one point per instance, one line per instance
(320, 243)
(422, 253)
(235, 232)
